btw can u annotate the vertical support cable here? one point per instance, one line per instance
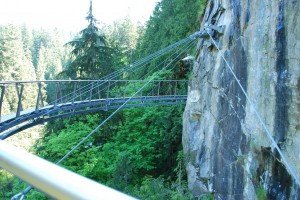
(20, 94)
(74, 92)
(158, 90)
(141, 93)
(152, 90)
(1, 99)
(56, 94)
(175, 90)
(99, 91)
(39, 97)
(81, 93)
(124, 90)
(60, 92)
(108, 88)
(91, 91)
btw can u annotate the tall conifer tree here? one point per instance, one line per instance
(15, 65)
(92, 57)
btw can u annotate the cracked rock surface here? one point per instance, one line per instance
(227, 152)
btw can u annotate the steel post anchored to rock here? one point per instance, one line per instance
(55, 181)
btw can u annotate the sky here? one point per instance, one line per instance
(69, 15)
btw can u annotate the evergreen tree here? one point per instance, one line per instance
(27, 41)
(122, 36)
(41, 65)
(15, 65)
(91, 56)
(40, 38)
(47, 48)
(57, 55)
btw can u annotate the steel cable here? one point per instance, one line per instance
(267, 132)
(22, 194)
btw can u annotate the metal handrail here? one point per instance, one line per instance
(54, 180)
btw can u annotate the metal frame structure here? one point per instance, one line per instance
(32, 117)
(87, 96)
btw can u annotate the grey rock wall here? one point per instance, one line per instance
(226, 149)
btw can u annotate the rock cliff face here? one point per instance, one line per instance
(225, 145)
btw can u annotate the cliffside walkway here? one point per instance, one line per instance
(87, 96)
(72, 97)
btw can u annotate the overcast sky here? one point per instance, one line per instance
(69, 15)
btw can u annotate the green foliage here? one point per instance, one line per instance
(171, 21)
(10, 186)
(207, 197)
(122, 37)
(36, 195)
(158, 188)
(56, 145)
(5, 184)
(145, 143)
(261, 193)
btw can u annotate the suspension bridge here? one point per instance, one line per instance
(73, 97)
(87, 96)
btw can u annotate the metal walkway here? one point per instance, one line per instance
(87, 96)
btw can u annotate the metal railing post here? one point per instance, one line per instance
(20, 94)
(39, 97)
(99, 92)
(175, 90)
(1, 99)
(158, 88)
(108, 88)
(74, 92)
(125, 88)
(56, 94)
(91, 91)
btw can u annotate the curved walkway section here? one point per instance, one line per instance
(28, 118)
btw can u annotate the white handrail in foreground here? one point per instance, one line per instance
(54, 180)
